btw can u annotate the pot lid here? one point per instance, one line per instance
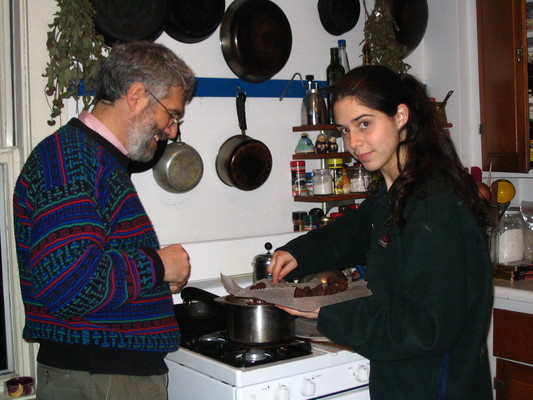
(338, 16)
(191, 21)
(264, 259)
(130, 20)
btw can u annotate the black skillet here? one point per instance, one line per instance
(130, 20)
(256, 39)
(191, 21)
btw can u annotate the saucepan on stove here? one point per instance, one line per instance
(199, 313)
(252, 322)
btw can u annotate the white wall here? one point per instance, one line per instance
(213, 212)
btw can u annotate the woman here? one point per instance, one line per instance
(422, 239)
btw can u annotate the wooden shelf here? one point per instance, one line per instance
(320, 156)
(331, 197)
(320, 127)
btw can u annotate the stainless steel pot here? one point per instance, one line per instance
(256, 324)
(180, 168)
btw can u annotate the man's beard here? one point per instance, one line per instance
(140, 137)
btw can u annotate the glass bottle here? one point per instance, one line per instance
(313, 104)
(334, 72)
(343, 56)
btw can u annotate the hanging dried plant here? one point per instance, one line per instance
(75, 51)
(380, 35)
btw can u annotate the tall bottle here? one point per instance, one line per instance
(343, 56)
(334, 72)
(313, 104)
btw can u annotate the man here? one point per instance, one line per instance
(96, 286)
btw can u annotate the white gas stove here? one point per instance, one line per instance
(328, 372)
(324, 371)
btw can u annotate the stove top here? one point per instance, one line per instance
(215, 345)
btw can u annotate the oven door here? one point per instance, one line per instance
(361, 393)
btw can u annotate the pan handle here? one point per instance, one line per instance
(241, 99)
(191, 293)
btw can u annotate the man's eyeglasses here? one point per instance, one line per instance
(174, 117)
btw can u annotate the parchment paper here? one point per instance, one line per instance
(283, 293)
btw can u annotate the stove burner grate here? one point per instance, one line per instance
(216, 346)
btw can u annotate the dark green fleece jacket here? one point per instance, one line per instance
(424, 328)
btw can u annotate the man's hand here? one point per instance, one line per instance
(177, 266)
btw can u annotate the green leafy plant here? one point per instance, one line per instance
(380, 35)
(75, 50)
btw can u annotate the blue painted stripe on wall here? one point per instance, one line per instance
(227, 87)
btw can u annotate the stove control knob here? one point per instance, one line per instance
(362, 373)
(308, 387)
(282, 392)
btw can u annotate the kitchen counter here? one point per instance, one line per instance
(514, 296)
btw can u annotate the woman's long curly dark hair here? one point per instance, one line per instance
(428, 146)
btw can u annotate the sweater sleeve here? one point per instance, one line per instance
(91, 245)
(336, 246)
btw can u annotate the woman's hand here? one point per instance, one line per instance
(307, 314)
(281, 264)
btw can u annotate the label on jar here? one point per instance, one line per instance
(338, 180)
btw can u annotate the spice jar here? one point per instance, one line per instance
(322, 182)
(335, 166)
(309, 182)
(299, 185)
(298, 220)
(510, 237)
(310, 222)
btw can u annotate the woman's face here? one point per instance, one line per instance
(371, 136)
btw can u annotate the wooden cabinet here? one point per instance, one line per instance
(503, 56)
(513, 347)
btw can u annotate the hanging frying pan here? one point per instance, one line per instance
(191, 21)
(130, 20)
(180, 168)
(256, 39)
(338, 16)
(411, 16)
(243, 162)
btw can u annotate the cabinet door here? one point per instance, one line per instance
(502, 50)
(513, 381)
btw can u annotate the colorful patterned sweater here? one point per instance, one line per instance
(89, 271)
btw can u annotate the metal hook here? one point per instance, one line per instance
(289, 84)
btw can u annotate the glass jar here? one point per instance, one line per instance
(510, 237)
(322, 182)
(359, 178)
(335, 166)
(298, 220)
(299, 186)
(310, 222)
